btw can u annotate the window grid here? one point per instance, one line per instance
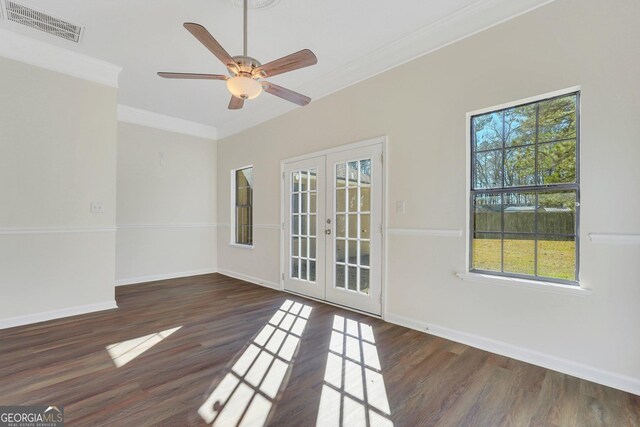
(304, 199)
(536, 189)
(244, 206)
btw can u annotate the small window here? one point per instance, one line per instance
(242, 226)
(525, 190)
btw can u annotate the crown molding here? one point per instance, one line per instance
(150, 119)
(470, 20)
(34, 52)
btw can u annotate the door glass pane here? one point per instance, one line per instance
(364, 280)
(295, 203)
(365, 199)
(340, 200)
(341, 174)
(312, 271)
(353, 252)
(365, 226)
(312, 225)
(365, 172)
(303, 247)
(303, 269)
(294, 268)
(304, 219)
(312, 248)
(353, 226)
(313, 180)
(353, 229)
(295, 224)
(295, 246)
(340, 250)
(352, 282)
(295, 181)
(364, 253)
(341, 225)
(352, 174)
(352, 200)
(312, 202)
(340, 275)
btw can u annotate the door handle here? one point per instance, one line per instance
(327, 231)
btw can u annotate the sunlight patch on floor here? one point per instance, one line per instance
(246, 394)
(353, 393)
(125, 351)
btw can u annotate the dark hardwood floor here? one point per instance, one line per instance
(211, 349)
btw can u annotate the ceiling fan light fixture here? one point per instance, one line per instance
(244, 87)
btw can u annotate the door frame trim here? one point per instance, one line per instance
(383, 140)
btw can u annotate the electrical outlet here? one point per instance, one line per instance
(97, 207)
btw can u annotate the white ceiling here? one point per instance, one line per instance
(353, 40)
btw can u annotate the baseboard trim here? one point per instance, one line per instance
(164, 276)
(589, 373)
(28, 319)
(250, 279)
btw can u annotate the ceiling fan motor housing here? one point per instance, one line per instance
(246, 65)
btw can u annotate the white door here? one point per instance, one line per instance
(304, 245)
(333, 227)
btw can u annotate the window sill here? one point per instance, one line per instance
(236, 245)
(534, 285)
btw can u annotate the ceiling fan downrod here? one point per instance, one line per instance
(246, 15)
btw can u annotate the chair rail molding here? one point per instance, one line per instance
(615, 238)
(437, 232)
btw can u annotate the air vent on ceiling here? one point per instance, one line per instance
(24, 15)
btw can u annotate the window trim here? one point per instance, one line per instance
(232, 217)
(469, 167)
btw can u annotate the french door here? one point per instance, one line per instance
(333, 227)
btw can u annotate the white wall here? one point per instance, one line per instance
(57, 155)
(421, 106)
(166, 204)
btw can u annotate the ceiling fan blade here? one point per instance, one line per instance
(192, 76)
(236, 103)
(297, 60)
(210, 43)
(287, 94)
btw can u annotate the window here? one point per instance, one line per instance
(525, 190)
(243, 210)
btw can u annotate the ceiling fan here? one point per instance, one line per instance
(246, 73)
